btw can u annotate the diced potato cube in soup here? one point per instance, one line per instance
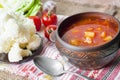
(103, 34)
(89, 34)
(108, 38)
(88, 40)
(75, 42)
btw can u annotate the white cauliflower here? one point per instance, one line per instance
(16, 53)
(17, 33)
(34, 42)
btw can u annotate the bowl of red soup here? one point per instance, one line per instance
(89, 40)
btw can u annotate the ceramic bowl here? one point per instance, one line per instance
(88, 57)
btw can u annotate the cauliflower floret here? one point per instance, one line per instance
(16, 53)
(17, 33)
(25, 53)
(34, 42)
(14, 28)
(8, 35)
(6, 45)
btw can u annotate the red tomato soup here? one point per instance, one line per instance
(90, 32)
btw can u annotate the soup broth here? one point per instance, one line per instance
(90, 32)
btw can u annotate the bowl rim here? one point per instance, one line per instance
(90, 48)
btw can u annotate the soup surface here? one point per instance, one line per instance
(90, 32)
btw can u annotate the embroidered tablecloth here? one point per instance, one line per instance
(110, 72)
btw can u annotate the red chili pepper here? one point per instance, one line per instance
(49, 18)
(37, 22)
(49, 32)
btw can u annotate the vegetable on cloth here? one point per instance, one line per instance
(49, 32)
(18, 36)
(37, 22)
(49, 18)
